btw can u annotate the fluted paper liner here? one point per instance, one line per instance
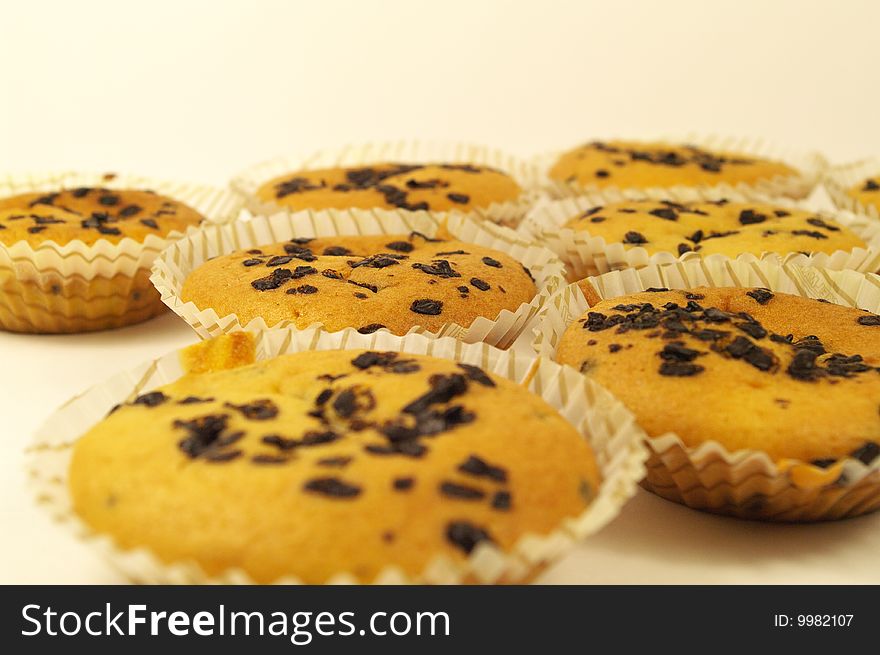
(743, 483)
(508, 213)
(181, 258)
(585, 255)
(808, 166)
(839, 179)
(95, 276)
(598, 416)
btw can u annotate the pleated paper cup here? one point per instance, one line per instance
(508, 213)
(174, 264)
(585, 254)
(809, 167)
(79, 287)
(742, 483)
(839, 179)
(602, 420)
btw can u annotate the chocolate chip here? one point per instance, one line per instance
(380, 260)
(761, 296)
(810, 233)
(279, 260)
(501, 501)
(364, 285)
(676, 351)
(369, 329)
(634, 238)
(476, 374)
(440, 268)
(480, 284)
(304, 289)
(867, 453)
(427, 306)
(403, 484)
(257, 410)
(750, 217)
(149, 222)
(330, 273)
(400, 246)
(332, 487)
(870, 319)
(206, 435)
(81, 192)
(803, 366)
(480, 468)
(466, 535)
(443, 389)
(871, 185)
(494, 263)
(754, 330)
(464, 492)
(299, 252)
(251, 262)
(336, 251)
(278, 277)
(459, 198)
(130, 210)
(451, 252)
(680, 369)
(193, 400)
(109, 200)
(818, 222)
(602, 173)
(151, 399)
(666, 213)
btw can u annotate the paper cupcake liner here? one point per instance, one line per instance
(73, 287)
(586, 255)
(509, 213)
(809, 167)
(172, 267)
(601, 419)
(742, 483)
(838, 179)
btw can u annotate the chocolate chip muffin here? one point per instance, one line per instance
(49, 279)
(867, 192)
(633, 164)
(89, 214)
(753, 369)
(433, 187)
(365, 282)
(318, 463)
(714, 227)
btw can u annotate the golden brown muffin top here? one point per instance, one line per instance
(636, 164)
(318, 463)
(721, 226)
(436, 187)
(365, 282)
(91, 213)
(793, 377)
(867, 192)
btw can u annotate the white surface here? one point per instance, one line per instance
(200, 90)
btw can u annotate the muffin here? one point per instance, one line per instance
(437, 187)
(641, 165)
(93, 223)
(713, 227)
(866, 193)
(749, 368)
(393, 282)
(319, 463)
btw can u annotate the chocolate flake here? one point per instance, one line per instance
(332, 487)
(480, 468)
(466, 535)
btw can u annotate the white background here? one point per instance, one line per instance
(200, 90)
